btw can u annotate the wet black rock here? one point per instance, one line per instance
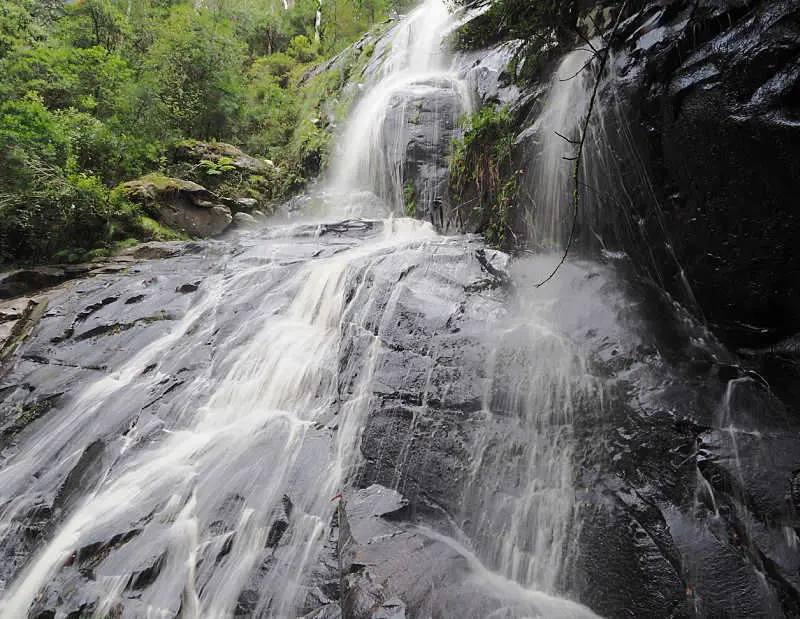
(24, 281)
(188, 287)
(420, 124)
(280, 523)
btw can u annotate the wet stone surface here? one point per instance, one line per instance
(152, 437)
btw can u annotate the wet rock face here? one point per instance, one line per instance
(420, 124)
(692, 157)
(24, 281)
(163, 329)
(475, 415)
(713, 91)
(489, 76)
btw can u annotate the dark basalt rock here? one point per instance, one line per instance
(280, 523)
(711, 96)
(726, 125)
(24, 281)
(419, 126)
(188, 287)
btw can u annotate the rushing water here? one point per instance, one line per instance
(169, 453)
(232, 453)
(416, 70)
(182, 506)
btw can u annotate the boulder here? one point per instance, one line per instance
(196, 151)
(243, 221)
(244, 205)
(155, 249)
(181, 204)
(420, 124)
(23, 281)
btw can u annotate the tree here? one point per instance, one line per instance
(195, 70)
(95, 23)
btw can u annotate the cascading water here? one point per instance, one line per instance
(395, 142)
(615, 193)
(556, 130)
(217, 503)
(198, 485)
(522, 484)
(172, 450)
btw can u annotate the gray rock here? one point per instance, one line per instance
(24, 281)
(16, 318)
(244, 221)
(195, 151)
(417, 134)
(245, 204)
(488, 74)
(155, 249)
(198, 222)
(180, 204)
(15, 309)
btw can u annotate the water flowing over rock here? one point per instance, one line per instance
(397, 140)
(686, 156)
(347, 414)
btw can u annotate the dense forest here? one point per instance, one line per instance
(97, 92)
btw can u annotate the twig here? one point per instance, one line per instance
(581, 70)
(584, 38)
(577, 167)
(566, 139)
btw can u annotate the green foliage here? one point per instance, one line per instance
(95, 23)
(480, 164)
(88, 79)
(409, 199)
(194, 73)
(533, 22)
(33, 142)
(96, 92)
(73, 215)
(301, 50)
(217, 168)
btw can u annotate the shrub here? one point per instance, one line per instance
(480, 164)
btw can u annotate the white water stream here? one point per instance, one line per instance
(256, 440)
(415, 68)
(276, 386)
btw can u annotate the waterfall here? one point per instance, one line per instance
(198, 444)
(396, 140)
(521, 496)
(617, 203)
(199, 487)
(555, 131)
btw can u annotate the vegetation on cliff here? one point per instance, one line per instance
(97, 92)
(481, 179)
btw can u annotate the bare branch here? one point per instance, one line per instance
(579, 71)
(566, 139)
(587, 41)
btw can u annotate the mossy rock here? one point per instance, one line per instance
(183, 206)
(218, 157)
